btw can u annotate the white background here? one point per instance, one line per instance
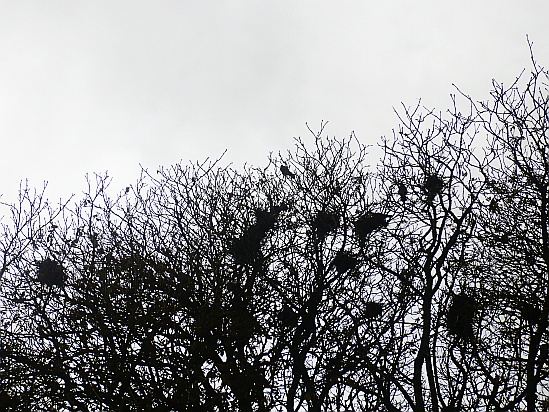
(90, 86)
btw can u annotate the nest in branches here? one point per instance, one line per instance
(432, 186)
(372, 310)
(287, 317)
(324, 223)
(461, 315)
(529, 312)
(265, 220)
(243, 323)
(50, 273)
(369, 223)
(247, 248)
(344, 261)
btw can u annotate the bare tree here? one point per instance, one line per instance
(430, 180)
(512, 250)
(313, 283)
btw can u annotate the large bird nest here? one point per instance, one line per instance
(461, 315)
(50, 273)
(369, 223)
(324, 223)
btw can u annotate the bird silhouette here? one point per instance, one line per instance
(493, 207)
(286, 172)
(433, 185)
(402, 191)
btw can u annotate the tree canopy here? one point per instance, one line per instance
(318, 282)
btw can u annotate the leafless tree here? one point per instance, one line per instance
(512, 250)
(313, 283)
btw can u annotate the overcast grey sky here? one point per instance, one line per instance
(90, 86)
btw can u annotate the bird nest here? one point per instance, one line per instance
(50, 273)
(324, 223)
(461, 316)
(369, 223)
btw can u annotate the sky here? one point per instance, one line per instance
(102, 85)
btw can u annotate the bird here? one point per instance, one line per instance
(493, 207)
(402, 191)
(286, 172)
(433, 185)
